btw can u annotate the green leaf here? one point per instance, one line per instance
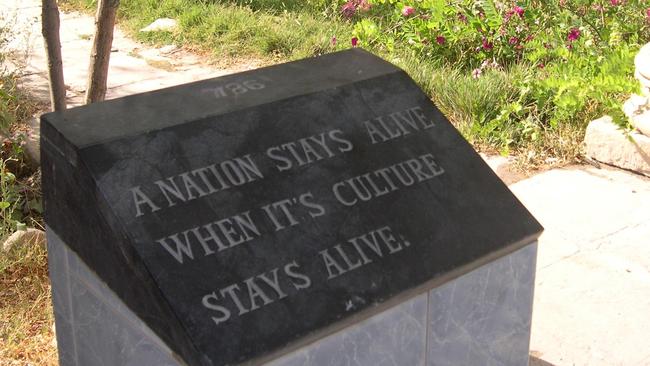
(36, 205)
(492, 14)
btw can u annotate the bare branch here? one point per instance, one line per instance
(101, 52)
(50, 29)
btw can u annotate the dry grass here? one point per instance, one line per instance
(26, 318)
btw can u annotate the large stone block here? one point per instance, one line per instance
(607, 143)
(250, 216)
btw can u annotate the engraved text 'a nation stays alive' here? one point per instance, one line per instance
(243, 228)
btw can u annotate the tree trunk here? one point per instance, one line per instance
(50, 29)
(101, 52)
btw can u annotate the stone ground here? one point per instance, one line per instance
(134, 68)
(592, 295)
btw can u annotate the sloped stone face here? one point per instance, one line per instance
(606, 143)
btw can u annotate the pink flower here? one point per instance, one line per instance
(647, 15)
(574, 34)
(441, 40)
(488, 46)
(354, 41)
(520, 11)
(333, 41)
(407, 11)
(462, 18)
(363, 5)
(348, 9)
(541, 65)
(616, 2)
(477, 73)
(513, 40)
(516, 10)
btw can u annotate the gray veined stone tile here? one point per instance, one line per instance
(484, 317)
(481, 318)
(59, 276)
(392, 338)
(65, 339)
(93, 326)
(60, 282)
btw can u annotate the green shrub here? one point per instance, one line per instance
(514, 73)
(19, 193)
(20, 200)
(263, 29)
(464, 33)
(513, 76)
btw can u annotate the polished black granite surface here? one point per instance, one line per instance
(244, 216)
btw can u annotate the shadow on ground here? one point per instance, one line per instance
(534, 361)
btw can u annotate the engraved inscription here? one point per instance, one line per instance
(309, 150)
(243, 230)
(196, 183)
(255, 292)
(386, 180)
(397, 124)
(361, 250)
(235, 88)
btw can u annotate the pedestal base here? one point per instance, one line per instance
(480, 318)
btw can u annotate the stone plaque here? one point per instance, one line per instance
(244, 216)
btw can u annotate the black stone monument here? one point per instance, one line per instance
(244, 217)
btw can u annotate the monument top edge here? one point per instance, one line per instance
(112, 119)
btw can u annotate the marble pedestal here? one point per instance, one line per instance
(480, 318)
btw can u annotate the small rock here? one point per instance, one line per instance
(162, 24)
(637, 109)
(634, 104)
(641, 122)
(30, 236)
(606, 143)
(170, 48)
(645, 82)
(32, 143)
(642, 62)
(54, 343)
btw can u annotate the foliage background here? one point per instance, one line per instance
(522, 77)
(26, 332)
